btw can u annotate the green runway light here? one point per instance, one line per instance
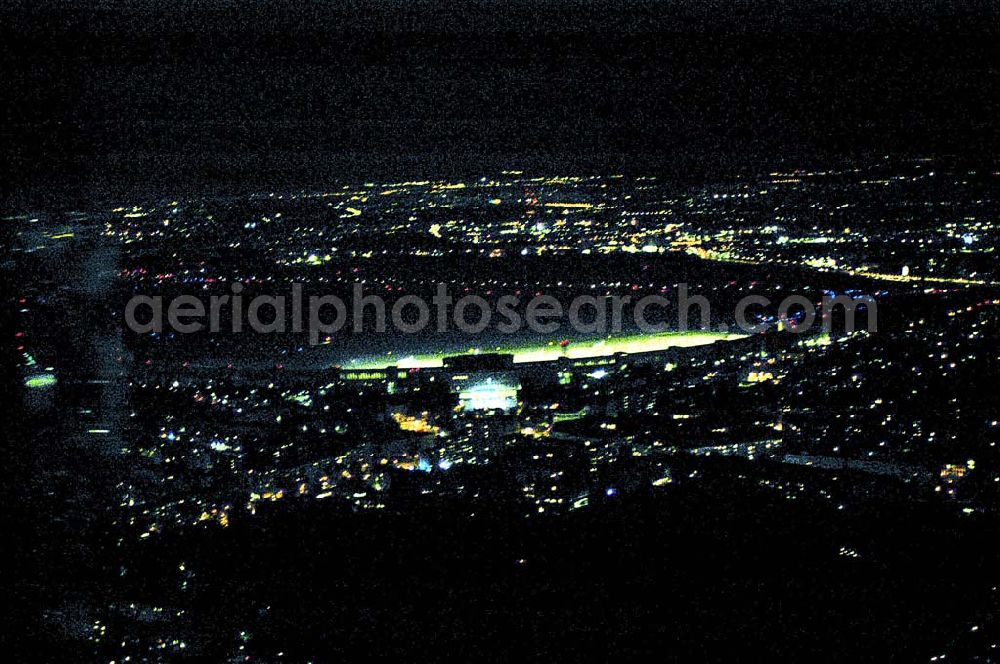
(39, 380)
(551, 350)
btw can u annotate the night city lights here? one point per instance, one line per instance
(502, 331)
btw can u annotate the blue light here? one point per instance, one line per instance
(611, 491)
(444, 464)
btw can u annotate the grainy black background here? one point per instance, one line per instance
(108, 99)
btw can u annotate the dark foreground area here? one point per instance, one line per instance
(734, 574)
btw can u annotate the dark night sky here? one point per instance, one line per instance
(177, 97)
